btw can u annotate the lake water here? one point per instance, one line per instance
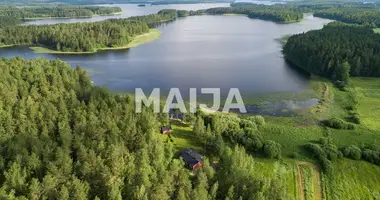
(197, 52)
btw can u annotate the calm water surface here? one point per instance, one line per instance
(198, 52)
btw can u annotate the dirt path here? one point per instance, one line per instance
(301, 189)
(316, 181)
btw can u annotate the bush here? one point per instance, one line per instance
(321, 155)
(254, 143)
(352, 152)
(355, 118)
(371, 156)
(316, 150)
(331, 151)
(341, 85)
(247, 124)
(259, 120)
(338, 123)
(326, 165)
(272, 149)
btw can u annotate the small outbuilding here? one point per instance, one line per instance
(166, 130)
(192, 158)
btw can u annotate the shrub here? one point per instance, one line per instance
(316, 150)
(341, 85)
(326, 165)
(247, 124)
(331, 151)
(321, 155)
(355, 118)
(259, 120)
(371, 156)
(352, 152)
(272, 149)
(254, 143)
(338, 123)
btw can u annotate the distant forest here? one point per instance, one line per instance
(87, 37)
(56, 11)
(336, 51)
(272, 13)
(83, 37)
(89, 2)
(365, 16)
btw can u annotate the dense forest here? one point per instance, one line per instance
(63, 138)
(8, 21)
(83, 37)
(336, 51)
(272, 13)
(369, 17)
(56, 11)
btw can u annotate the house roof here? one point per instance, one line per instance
(191, 157)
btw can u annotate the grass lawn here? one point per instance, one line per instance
(376, 30)
(183, 137)
(153, 34)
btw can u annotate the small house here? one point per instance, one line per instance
(192, 158)
(166, 130)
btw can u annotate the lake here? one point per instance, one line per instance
(197, 52)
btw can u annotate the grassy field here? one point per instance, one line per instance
(353, 180)
(294, 132)
(369, 101)
(138, 40)
(376, 30)
(291, 133)
(284, 171)
(182, 137)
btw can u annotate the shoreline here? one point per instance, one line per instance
(5, 46)
(153, 34)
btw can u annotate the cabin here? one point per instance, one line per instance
(192, 158)
(166, 130)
